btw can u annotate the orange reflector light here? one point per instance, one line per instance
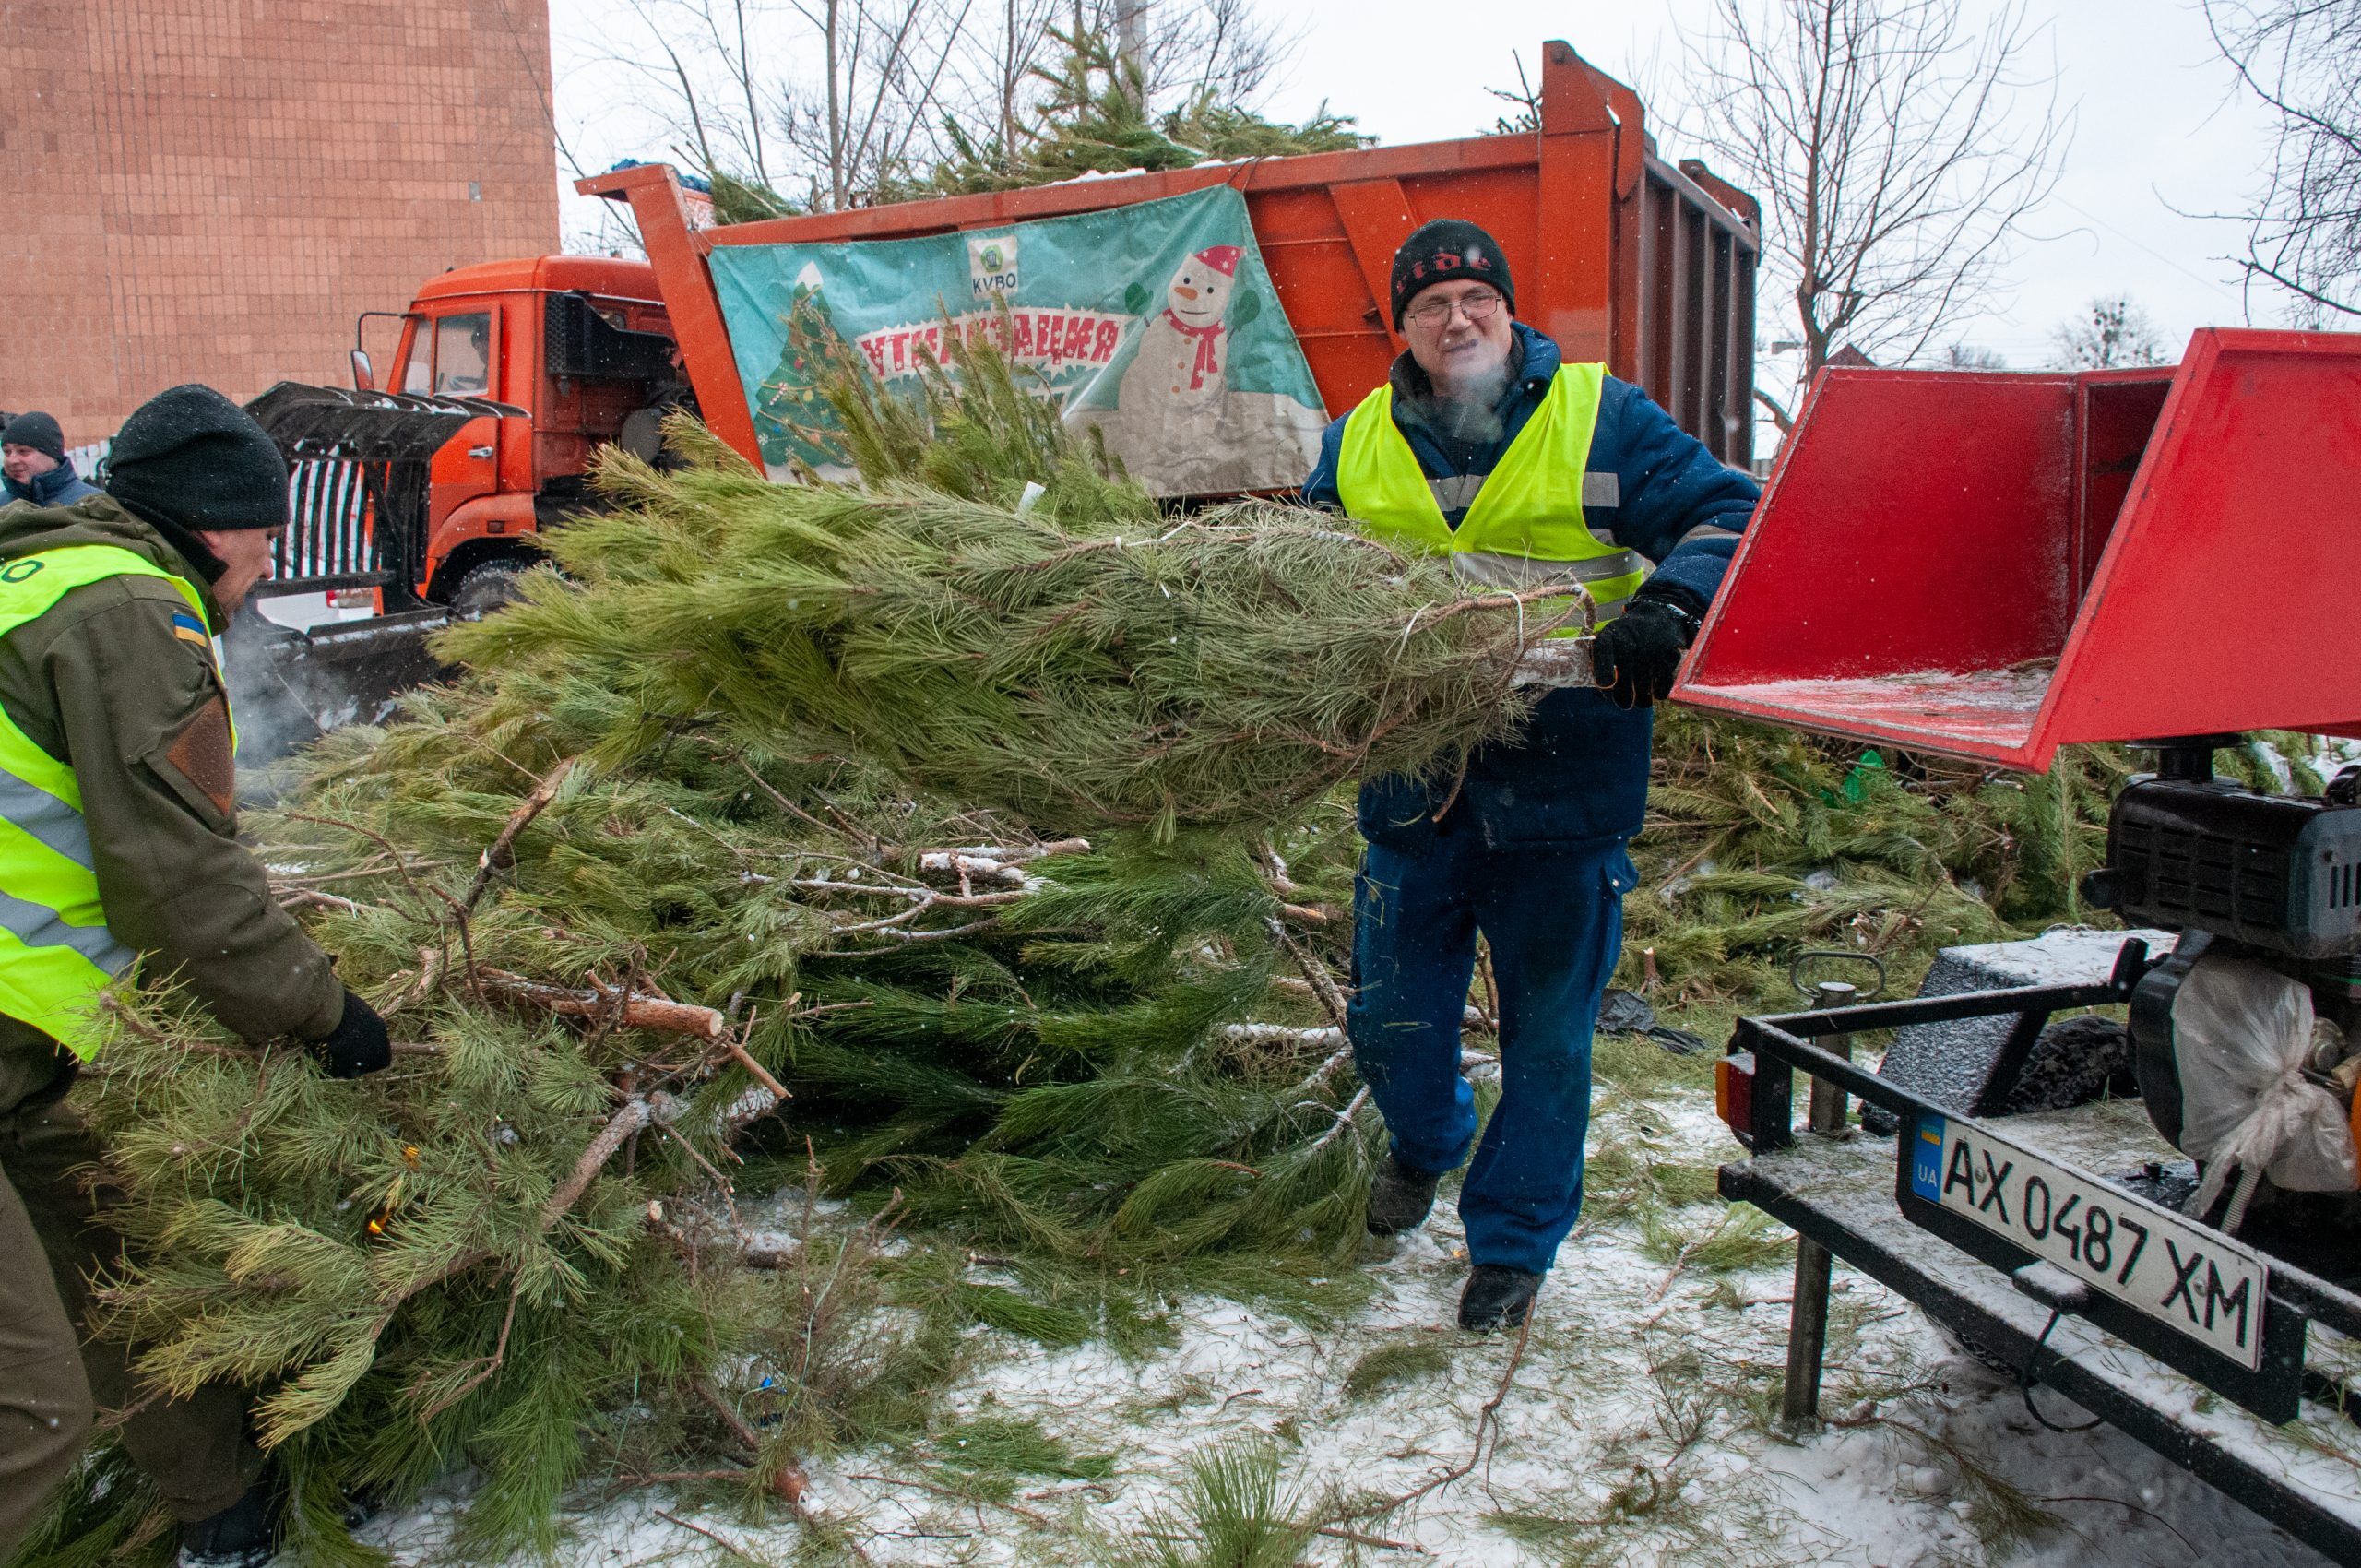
(1734, 1092)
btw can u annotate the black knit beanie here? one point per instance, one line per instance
(191, 456)
(1444, 251)
(38, 431)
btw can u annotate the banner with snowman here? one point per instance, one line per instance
(1154, 322)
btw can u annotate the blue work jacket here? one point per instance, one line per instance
(59, 487)
(1579, 770)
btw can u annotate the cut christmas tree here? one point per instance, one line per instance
(1077, 659)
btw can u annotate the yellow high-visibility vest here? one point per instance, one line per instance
(56, 954)
(1525, 526)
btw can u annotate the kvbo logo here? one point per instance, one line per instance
(991, 264)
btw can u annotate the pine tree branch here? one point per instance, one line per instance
(1344, 1120)
(1338, 1532)
(1025, 1514)
(430, 971)
(781, 801)
(789, 1480)
(466, 943)
(967, 866)
(745, 1110)
(401, 865)
(760, 1074)
(1556, 661)
(1274, 869)
(502, 855)
(640, 1011)
(1281, 1034)
(926, 896)
(1487, 1422)
(1487, 1016)
(305, 897)
(1315, 973)
(733, 1547)
(993, 861)
(489, 1365)
(636, 1113)
(1328, 1069)
(947, 934)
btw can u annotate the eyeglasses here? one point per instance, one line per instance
(1478, 308)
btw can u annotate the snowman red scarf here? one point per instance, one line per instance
(1224, 260)
(1208, 362)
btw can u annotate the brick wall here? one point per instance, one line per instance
(210, 190)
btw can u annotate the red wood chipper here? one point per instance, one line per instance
(1989, 566)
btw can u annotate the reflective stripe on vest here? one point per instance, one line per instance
(1525, 525)
(56, 954)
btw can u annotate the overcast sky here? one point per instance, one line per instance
(2159, 132)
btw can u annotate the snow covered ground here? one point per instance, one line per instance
(1637, 1427)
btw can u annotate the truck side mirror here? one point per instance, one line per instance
(364, 379)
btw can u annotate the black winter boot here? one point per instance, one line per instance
(1496, 1297)
(243, 1534)
(1400, 1197)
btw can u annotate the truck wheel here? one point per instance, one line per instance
(485, 589)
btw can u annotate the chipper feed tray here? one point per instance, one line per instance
(1992, 566)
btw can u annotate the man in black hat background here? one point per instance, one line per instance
(32, 463)
(110, 694)
(1485, 446)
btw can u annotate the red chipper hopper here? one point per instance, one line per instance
(1993, 565)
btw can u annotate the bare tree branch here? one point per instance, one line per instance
(847, 102)
(1896, 149)
(2302, 60)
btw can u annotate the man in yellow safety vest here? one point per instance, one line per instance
(1483, 446)
(118, 845)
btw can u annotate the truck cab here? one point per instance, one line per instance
(584, 347)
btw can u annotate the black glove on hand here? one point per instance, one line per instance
(360, 1045)
(1636, 657)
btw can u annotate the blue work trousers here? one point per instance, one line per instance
(1553, 914)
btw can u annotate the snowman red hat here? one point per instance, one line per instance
(1221, 258)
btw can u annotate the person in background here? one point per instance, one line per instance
(1482, 446)
(32, 463)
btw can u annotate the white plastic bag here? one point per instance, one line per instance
(2242, 1036)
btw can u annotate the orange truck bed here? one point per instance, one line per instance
(1617, 254)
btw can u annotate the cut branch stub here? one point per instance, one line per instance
(640, 1011)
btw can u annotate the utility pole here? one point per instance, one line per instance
(1130, 19)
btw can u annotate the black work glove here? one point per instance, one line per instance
(1636, 657)
(360, 1045)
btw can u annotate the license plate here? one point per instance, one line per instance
(2197, 1281)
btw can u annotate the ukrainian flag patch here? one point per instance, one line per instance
(189, 629)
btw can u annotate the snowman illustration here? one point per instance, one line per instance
(1179, 424)
(1181, 350)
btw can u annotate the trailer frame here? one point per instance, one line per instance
(2119, 1366)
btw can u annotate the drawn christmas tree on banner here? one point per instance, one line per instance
(793, 418)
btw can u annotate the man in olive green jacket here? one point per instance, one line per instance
(118, 680)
